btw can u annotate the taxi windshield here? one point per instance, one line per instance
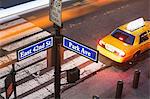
(123, 36)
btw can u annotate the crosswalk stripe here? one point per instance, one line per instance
(20, 35)
(72, 63)
(14, 46)
(4, 71)
(28, 92)
(30, 70)
(26, 41)
(12, 23)
(7, 59)
(68, 54)
(39, 86)
(30, 60)
(24, 63)
(50, 88)
(24, 93)
(17, 29)
(9, 18)
(26, 72)
(40, 94)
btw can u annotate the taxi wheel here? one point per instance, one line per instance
(135, 58)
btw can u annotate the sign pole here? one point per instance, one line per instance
(14, 81)
(55, 17)
(57, 60)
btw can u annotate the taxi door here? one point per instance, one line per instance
(144, 41)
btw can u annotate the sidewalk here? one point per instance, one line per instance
(34, 80)
(103, 84)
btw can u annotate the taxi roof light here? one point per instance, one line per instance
(133, 25)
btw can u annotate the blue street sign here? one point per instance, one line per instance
(80, 49)
(35, 48)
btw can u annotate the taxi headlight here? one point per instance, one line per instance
(121, 53)
(101, 42)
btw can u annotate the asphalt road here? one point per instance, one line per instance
(103, 84)
(91, 27)
(88, 29)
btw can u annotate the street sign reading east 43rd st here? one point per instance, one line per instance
(80, 49)
(55, 11)
(34, 48)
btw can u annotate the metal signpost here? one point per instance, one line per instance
(80, 49)
(34, 48)
(55, 16)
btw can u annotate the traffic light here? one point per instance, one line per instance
(73, 75)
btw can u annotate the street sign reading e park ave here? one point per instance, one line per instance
(80, 49)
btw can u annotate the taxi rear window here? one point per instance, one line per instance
(123, 36)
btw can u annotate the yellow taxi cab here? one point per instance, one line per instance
(126, 42)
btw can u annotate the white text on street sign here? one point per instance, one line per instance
(80, 49)
(35, 48)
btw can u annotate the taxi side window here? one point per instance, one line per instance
(143, 37)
